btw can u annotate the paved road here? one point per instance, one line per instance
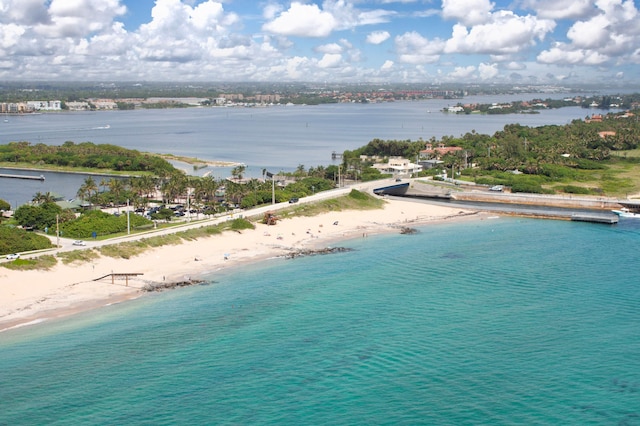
(66, 244)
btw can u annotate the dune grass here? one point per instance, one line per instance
(355, 200)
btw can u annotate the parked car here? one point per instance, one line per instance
(79, 243)
(293, 200)
(13, 256)
(497, 188)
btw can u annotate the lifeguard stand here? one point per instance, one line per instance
(270, 218)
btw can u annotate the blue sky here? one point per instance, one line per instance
(559, 42)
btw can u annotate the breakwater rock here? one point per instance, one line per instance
(316, 252)
(154, 286)
(407, 231)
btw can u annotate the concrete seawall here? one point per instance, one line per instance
(564, 201)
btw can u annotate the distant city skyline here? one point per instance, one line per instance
(564, 42)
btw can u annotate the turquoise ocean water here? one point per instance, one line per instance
(502, 322)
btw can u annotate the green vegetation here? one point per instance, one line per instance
(101, 223)
(86, 155)
(130, 249)
(79, 256)
(45, 262)
(16, 240)
(355, 200)
(42, 216)
(241, 224)
(163, 105)
(601, 156)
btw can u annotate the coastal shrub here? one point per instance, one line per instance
(369, 173)
(584, 164)
(162, 240)
(528, 187)
(572, 189)
(556, 172)
(16, 240)
(240, 224)
(84, 154)
(80, 256)
(101, 223)
(45, 262)
(357, 195)
(123, 250)
(40, 217)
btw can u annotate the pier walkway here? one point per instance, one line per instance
(30, 177)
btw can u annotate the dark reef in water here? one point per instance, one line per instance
(149, 287)
(327, 250)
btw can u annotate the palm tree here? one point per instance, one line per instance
(116, 187)
(104, 182)
(40, 198)
(300, 172)
(238, 171)
(174, 187)
(88, 189)
(37, 197)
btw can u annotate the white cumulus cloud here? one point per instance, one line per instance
(330, 60)
(412, 48)
(387, 65)
(329, 48)
(561, 9)
(378, 37)
(487, 71)
(467, 12)
(506, 33)
(463, 73)
(303, 20)
(613, 32)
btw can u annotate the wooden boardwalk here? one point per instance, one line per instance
(124, 275)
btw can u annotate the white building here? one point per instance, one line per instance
(44, 105)
(78, 106)
(398, 166)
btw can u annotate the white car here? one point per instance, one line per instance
(79, 243)
(13, 256)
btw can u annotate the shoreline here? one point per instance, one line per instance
(32, 297)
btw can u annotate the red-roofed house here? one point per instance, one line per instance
(439, 151)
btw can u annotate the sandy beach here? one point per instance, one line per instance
(29, 297)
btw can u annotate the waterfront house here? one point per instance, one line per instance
(439, 151)
(398, 166)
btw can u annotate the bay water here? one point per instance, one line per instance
(277, 138)
(485, 322)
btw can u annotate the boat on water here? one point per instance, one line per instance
(625, 212)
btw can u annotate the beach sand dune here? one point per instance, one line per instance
(27, 297)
